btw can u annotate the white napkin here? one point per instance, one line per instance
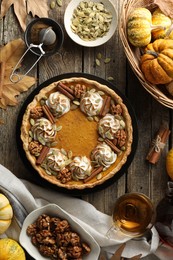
(26, 197)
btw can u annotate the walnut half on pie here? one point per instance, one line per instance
(77, 133)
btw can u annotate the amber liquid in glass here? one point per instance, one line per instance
(133, 214)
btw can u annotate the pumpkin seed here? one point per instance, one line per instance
(48, 172)
(52, 4)
(76, 102)
(58, 128)
(123, 148)
(108, 135)
(90, 118)
(41, 140)
(70, 154)
(110, 78)
(53, 144)
(42, 102)
(100, 139)
(99, 176)
(32, 121)
(96, 118)
(97, 62)
(99, 56)
(101, 93)
(101, 131)
(30, 134)
(67, 162)
(59, 2)
(92, 90)
(122, 123)
(63, 151)
(107, 60)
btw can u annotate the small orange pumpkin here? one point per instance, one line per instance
(157, 62)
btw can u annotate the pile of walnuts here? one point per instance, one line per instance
(55, 239)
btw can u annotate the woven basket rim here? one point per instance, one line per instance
(131, 52)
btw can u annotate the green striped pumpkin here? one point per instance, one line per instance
(139, 27)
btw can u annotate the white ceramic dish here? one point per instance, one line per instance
(54, 210)
(99, 41)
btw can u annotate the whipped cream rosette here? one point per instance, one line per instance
(55, 160)
(91, 103)
(58, 103)
(102, 155)
(109, 125)
(80, 167)
(43, 131)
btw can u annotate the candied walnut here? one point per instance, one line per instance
(86, 248)
(64, 239)
(75, 239)
(62, 226)
(53, 223)
(64, 175)
(45, 237)
(79, 90)
(74, 252)
(47, 250)
(116, 109)
(121, 137)
(36, 112)
(35, 148)
(31, 229)
(43, 222)
(62, 253)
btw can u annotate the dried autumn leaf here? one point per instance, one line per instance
(9, 56)
(166, 6)
(23, 7)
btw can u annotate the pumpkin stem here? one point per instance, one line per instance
(169, 31)
(155, 54)
(157, 27)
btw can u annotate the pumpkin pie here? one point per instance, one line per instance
(77, 133)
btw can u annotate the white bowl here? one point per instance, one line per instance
(99, 41)
(54, 210)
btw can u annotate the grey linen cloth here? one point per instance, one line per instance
(26, 196)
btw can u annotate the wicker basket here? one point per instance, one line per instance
(133, 54)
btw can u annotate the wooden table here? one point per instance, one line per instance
(140, 176)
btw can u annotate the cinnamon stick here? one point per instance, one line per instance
(93, 174)
(2, 74)
(112, 145)
(65, 92)
(42, 155)
(66, 87)
(106, 106)
(158, 144)
(48, 113)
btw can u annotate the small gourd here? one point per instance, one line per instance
(6, 213)
(157, 62)
(159, 18)
(11, 250)
(169, 163)
(139, 27)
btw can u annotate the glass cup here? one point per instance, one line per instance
(133, 215)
